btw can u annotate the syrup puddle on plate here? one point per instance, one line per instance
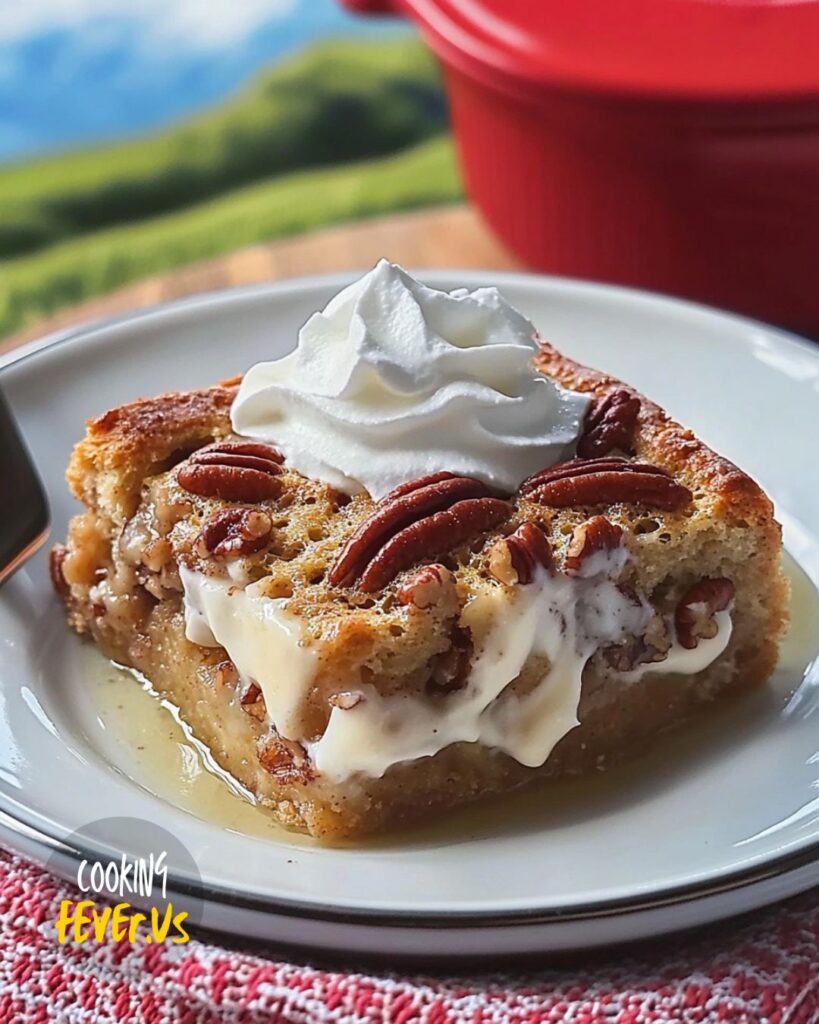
(167, 760)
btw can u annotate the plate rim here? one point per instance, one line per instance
(474, 277)
(674, 896)
(777, 867)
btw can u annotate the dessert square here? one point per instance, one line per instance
(422, 560)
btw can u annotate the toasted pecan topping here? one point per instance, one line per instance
(402, 508)
(650, 648)
(609, 424)
(234, 532)
(157, 553)
(346, 700)
(416, 485)
(604, 482)
(515, 559)
(694, 617)
(450, 668)
(252, 702)
(431, 537)
(590, 538)
(286, 759)
(585, 467)
(56, 557)
(429, 587)
(233, 471)
(238, 450)
(251, 694)
(225, 673)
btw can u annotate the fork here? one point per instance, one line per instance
(24, 513)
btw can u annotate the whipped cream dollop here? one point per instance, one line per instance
(394, 380)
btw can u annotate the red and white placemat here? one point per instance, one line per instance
(763, 970)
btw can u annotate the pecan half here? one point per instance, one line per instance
(594, 536)
(253, 703)
(416, 485)
(430, 587)
(402, 507)
(157, 554)
(285, 759)
(609, 424)
(251, 694)
(585, 467)
(233, 471)
(515, 559)
(225, 673)
(450, 669)
(635, 651)
(233, 532)
(56, 557)
(430, 537)
(694, 617)
(605, 481)
(346, 700)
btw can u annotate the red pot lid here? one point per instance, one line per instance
(738, 49)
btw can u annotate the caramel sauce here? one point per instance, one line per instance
(163, 757)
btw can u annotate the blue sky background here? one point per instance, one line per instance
(75, 72)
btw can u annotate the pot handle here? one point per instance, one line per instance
(377, 7)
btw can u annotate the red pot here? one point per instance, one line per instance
(669, 144)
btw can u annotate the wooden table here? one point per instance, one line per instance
(451, 236)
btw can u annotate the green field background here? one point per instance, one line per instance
(344, 130)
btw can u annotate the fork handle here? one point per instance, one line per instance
(24, 517)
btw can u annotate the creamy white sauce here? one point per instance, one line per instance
(263, 641)
(394, 380)
(384, 730)
(558, 618)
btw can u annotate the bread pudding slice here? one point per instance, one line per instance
(361, 665)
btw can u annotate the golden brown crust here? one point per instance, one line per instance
(661, 440)
(127, 444)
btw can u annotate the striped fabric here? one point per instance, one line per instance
(763, 970)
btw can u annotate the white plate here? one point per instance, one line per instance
(712, 824)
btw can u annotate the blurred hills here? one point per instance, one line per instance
(346, 129)
(336, 102)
